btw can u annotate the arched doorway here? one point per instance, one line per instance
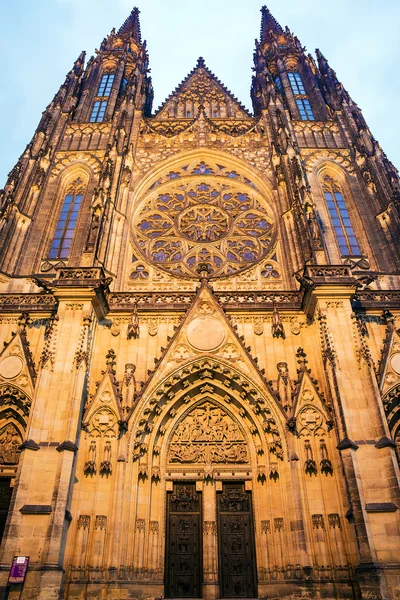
(209, 443)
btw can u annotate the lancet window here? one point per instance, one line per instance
(101, 101)
(344, 231)
(67, 221)
(300, 94)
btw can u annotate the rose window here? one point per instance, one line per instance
(221, 224)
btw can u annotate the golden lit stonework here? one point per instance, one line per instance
(203, 219)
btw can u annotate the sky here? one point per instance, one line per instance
(40, 40)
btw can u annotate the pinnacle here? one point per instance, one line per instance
(132, 25)
(268, 23)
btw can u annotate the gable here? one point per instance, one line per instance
(201, 88)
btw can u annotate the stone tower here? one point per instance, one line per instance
(200, 306)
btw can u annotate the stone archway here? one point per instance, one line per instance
(209, 523)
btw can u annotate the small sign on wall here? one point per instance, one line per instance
(18, 570)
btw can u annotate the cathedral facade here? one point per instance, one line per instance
(200, 310)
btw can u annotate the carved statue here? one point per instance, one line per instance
(105, 465)
(311, 466)
(277, 327)
(90, 464)
(133, 327)
(285, 386)
(326, 464)
(208, 435)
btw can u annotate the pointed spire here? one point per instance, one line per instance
(268, 23)
(132, 25)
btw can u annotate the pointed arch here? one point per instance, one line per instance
(14, 411)
(215, 381)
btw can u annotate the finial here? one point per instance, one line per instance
(200, 62)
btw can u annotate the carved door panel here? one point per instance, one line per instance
(237, 559)
(5, 499)
(183, 557)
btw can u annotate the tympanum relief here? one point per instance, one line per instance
(208, 435)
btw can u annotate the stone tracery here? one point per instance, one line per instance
(194, 221)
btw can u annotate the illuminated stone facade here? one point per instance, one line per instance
(200, 309)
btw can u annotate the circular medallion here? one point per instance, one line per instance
(205, 333)
(10, 367)
(395, 363)
(224, 225)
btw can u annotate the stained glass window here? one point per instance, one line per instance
(296, 83)
(100, 104)
(99, 109)
(67, 221)
(217, 222)
(300, 94)
(344, 231)
(305, 111)
(105, 85)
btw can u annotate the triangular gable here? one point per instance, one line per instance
(103, 414)
(206, 331)
(310, 412)
(201, 88)
(16, 363)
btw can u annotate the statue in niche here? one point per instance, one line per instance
(277, 327)
(133, 327)
(326, 464)
(285, 387)
(310, 466)
(105, 465)
(90, 464)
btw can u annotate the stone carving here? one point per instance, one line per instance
(133, 330)
(334, 521)
(277, 327)
(101, 522)
(318, 522)
(326, 464)
(208, 435)
(285, 387)
(84, 522)
(197, 223)
(278, 525)
(91, 462)
(310, 465)
(265, 526)
(310, 420)
(103, 423)
(209, 528)
(10, 439)
(105, 465)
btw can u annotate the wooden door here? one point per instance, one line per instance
(183, 556)
(5, 499)
(237, 560)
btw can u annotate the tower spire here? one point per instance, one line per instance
(268, 25)
(132, 25)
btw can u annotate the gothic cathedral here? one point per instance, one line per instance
(200, 309)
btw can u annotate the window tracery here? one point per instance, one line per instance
(217, 222)
(337, 208)
(67, 220)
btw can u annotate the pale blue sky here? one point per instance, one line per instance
(40, 39)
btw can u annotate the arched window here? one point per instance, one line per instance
(340, 218)
(300, 95)
(67, 221)
(100, 104)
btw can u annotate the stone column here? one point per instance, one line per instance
(367, 456)
(210, 545)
